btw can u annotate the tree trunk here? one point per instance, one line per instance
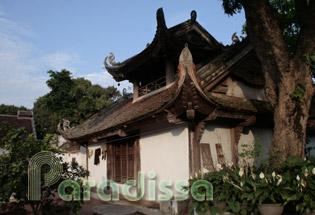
(291, 114)
(283, 75)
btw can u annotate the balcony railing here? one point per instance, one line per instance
(157, 84)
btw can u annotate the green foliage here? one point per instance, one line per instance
(252, 152)
(10, 109)
(301, 184)
(292, 183)
(232, 7)
(71, 99)
(298, 94)
(285, 11)
(21, 147)
(271, 188)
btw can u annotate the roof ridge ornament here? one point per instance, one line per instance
(160, 18)
(185, 55)
(193, 16)
(111, 60)
(65, 126)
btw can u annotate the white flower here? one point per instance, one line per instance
(241, 184)
(303, 182)
(306, 172)
(298, 177)
(261, 175)
(205, 170)
(313, 171)
(241, 172)
(279, 181)
(219, 166)
(273, 175)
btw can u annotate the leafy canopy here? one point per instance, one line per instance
(75, 99)
(285, 12)
(10, 109)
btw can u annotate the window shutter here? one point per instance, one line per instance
(124, 162)
(117, 163)
(131, 160)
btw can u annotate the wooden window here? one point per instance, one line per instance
(122, 164)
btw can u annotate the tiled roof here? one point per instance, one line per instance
(123, 111)
(171, 39)
(18, 122)
(239, 59)
(241, 105)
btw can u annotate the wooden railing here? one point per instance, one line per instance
(154, 85)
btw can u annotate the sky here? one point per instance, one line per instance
(41, 35)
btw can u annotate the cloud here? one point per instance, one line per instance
(11, 28)
(23, 76)
(61, 60)
(104, 79)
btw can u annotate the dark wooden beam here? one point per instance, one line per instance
(196, 132)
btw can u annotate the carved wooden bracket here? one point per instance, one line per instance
(118, 132)
(171, 118)
(190, 112)
(212, 116)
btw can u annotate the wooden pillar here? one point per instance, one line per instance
(135, 90)
(234, 145)
(170, 75)
(87, 158)
(195, 133)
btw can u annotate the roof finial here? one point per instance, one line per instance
(185, 55)
(193, 16)
(160, 18)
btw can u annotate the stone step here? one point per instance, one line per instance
(113, 210)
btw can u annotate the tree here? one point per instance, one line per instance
(74, 99)
(20, 148)
(282, 33)
(10, 109)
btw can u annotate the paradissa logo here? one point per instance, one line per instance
(132, 190)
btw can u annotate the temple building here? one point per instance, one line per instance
(195, 102)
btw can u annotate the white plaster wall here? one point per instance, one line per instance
(259, 133)
(98, 172)
(239, 89)
(80, 157)
(217, 133)
(61, 141)
(164, 149)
